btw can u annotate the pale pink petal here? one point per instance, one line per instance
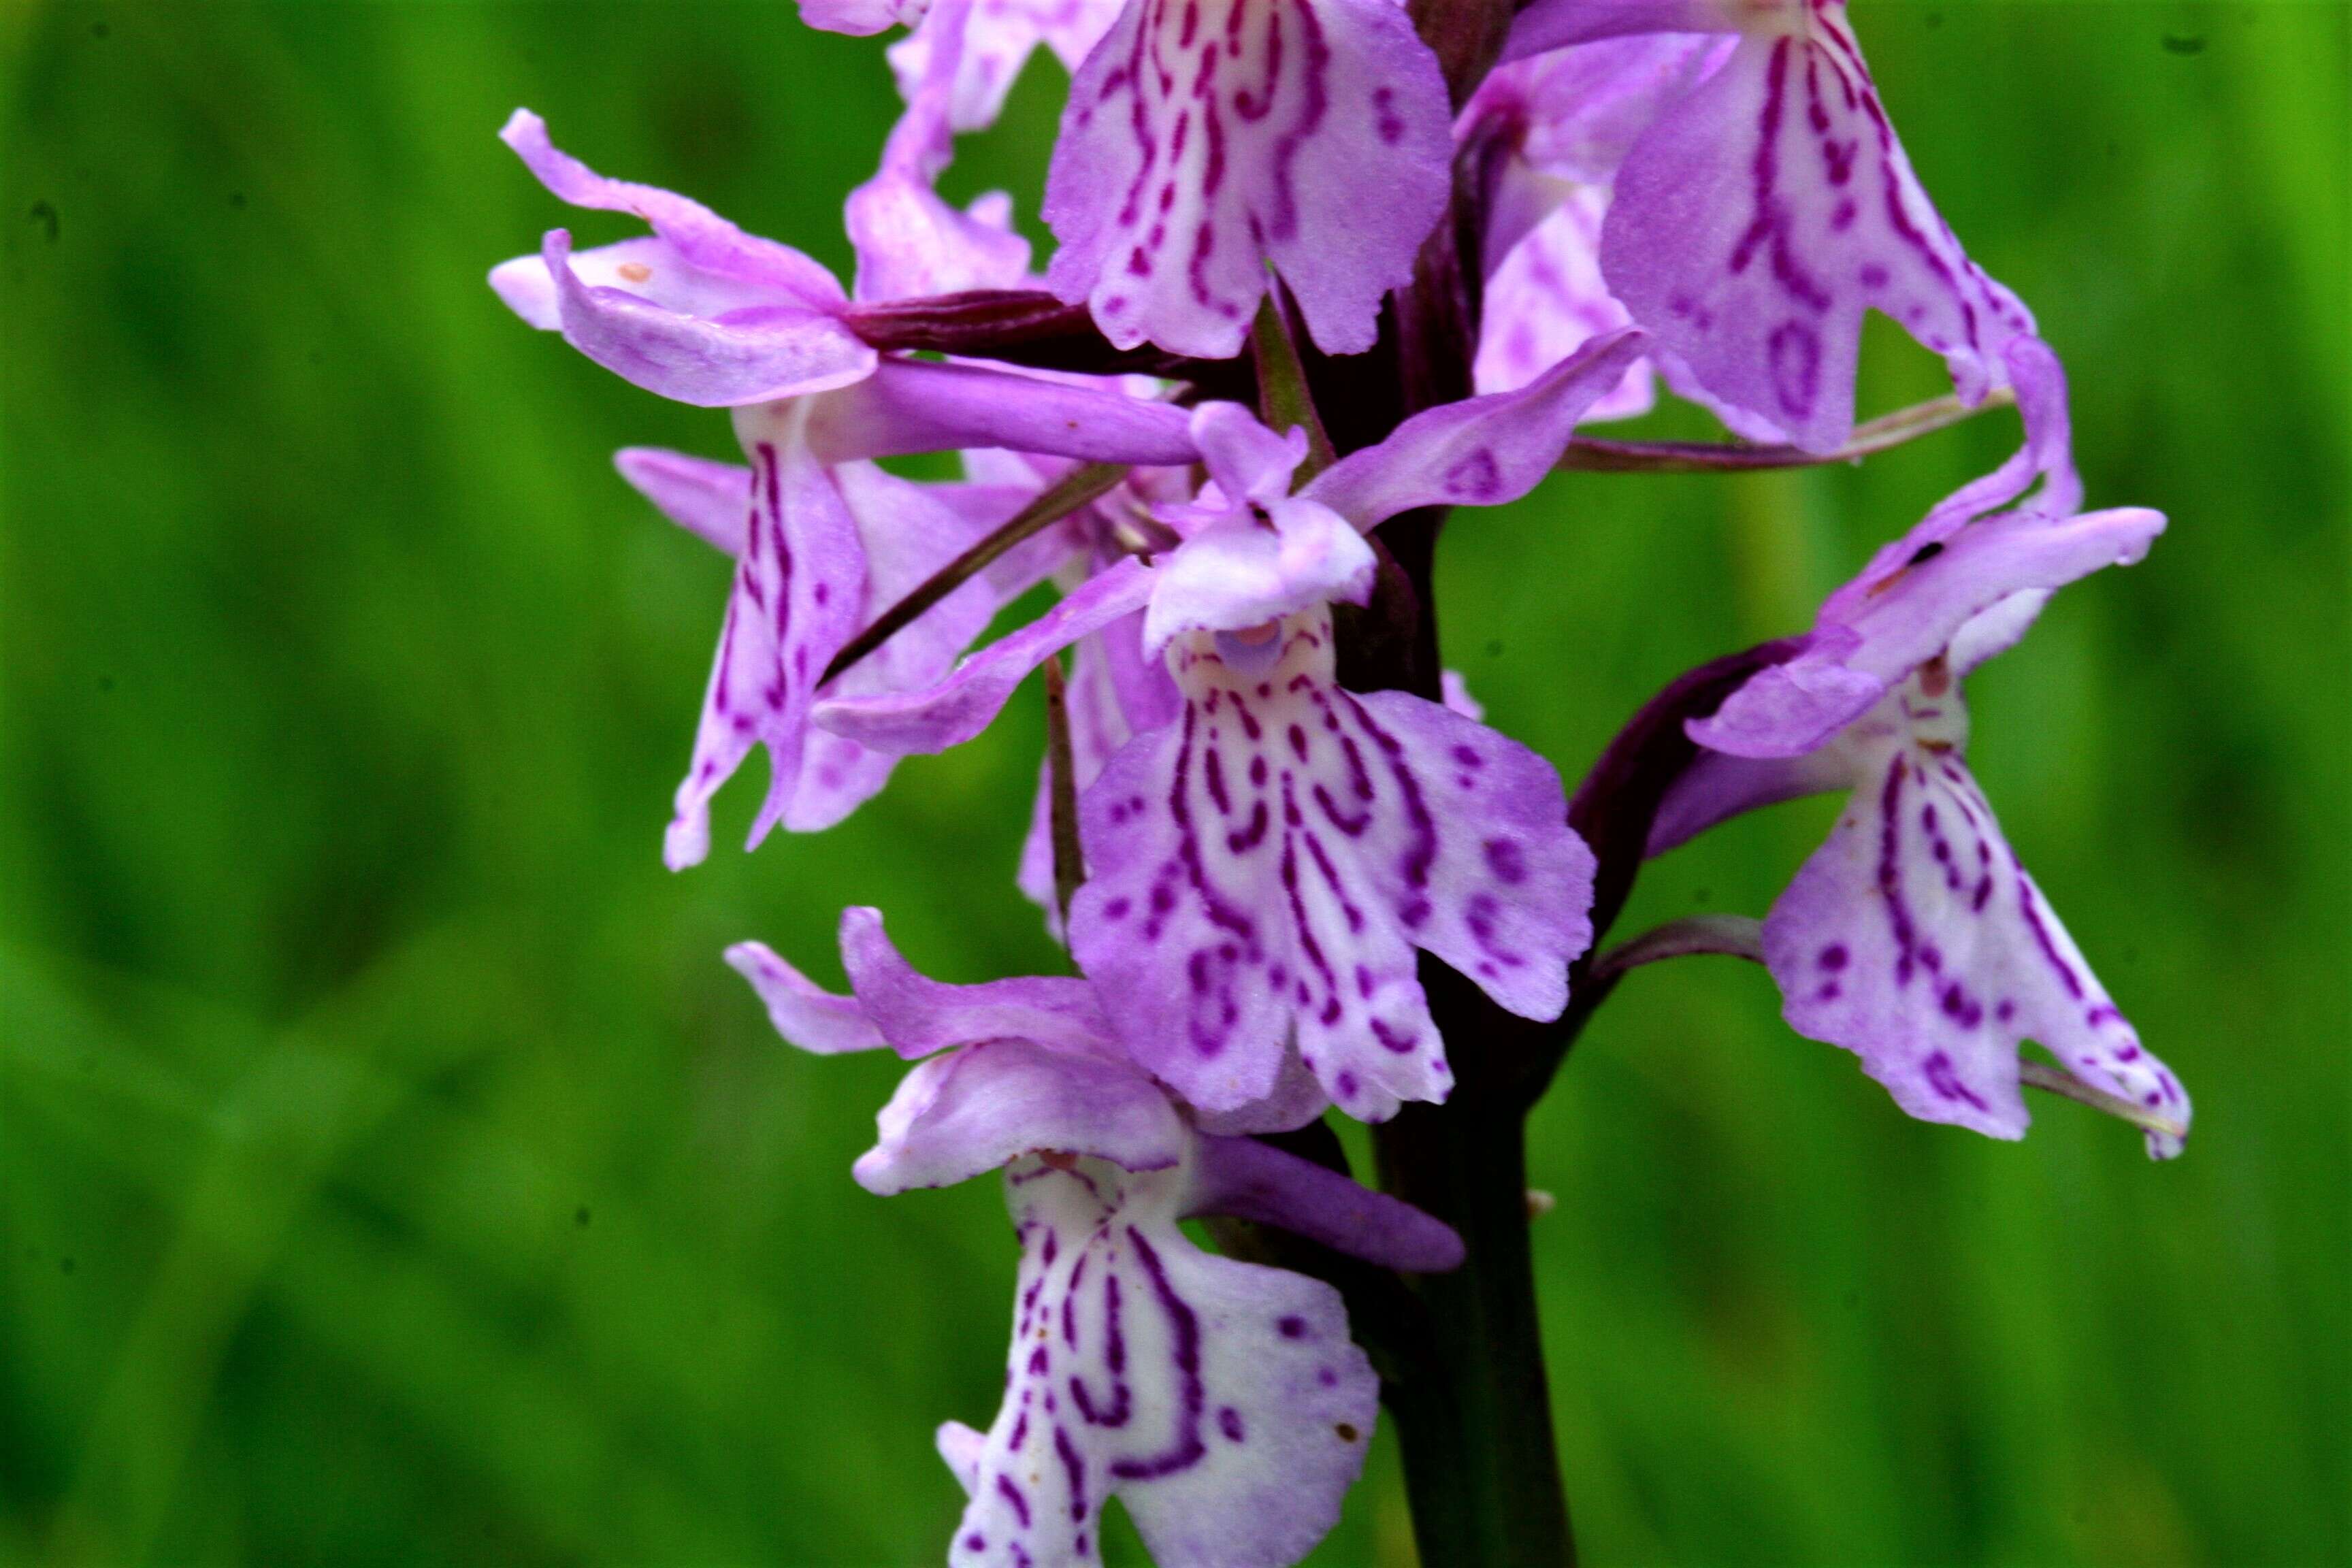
(1482, 451)
(1546, 301)
(1763, 214)
(909, 241)
(798, 587)
(915, 405)
(1268, 866)
(1205, 139)
(1915, 939)
(1222, 1403)
(969, 1111)
(708, 499)
(955, 710)
(997, 42)
(804, 1012)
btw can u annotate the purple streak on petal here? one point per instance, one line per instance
(1482, 451)
(1270, 863)
(1915, 939)
(1764, 213)
(797, 588)
(805, 1014)
(960, 706)
(1204, 139)
(1221, 1402)
(1255, 1180)
(710, 500)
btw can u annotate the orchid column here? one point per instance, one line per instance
(1328, 272)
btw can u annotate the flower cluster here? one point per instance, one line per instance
(1253, 864)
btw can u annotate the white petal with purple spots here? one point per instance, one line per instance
(1223, 1402)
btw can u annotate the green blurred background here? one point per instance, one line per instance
(390, 1171)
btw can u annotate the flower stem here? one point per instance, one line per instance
(1474, 1419)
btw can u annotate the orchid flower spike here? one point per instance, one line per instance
(1262, 868)
(1763, 211)
(1222, 1402)
(1915, 937)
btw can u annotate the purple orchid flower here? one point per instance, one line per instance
(710, 315)
(1222, 1402)
(1914, 937)
(1262, 869)
(1549, 133)
(1765, 210)
(1203, 143)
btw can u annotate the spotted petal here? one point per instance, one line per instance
(1915, 939)
(1762, 215)
(1205, 139)
(1221, 1402)
(909, 241)
(795, 599)
(998, 41)
(1266, 867)
(1545, 300)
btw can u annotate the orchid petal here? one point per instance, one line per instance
(907, 531)
(913, 405)
(1115, 693)
(1249, 462)
(1915, 939)
(1202, 144)
(1241, 572)
(753, 354)
(861, 18)
(1482, 451)
(795, 598)
(909, 241)
(804, 1012)
(960, 706)
(1547, 24)
(1546, 301)
(1255, 1180)
(918, 1014)
(1221, 1402)
(1763, 214)
(702, 241)
(1269, 864)
(997, 42)
(1914, 615)
(970, 1111)
(708, 499)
